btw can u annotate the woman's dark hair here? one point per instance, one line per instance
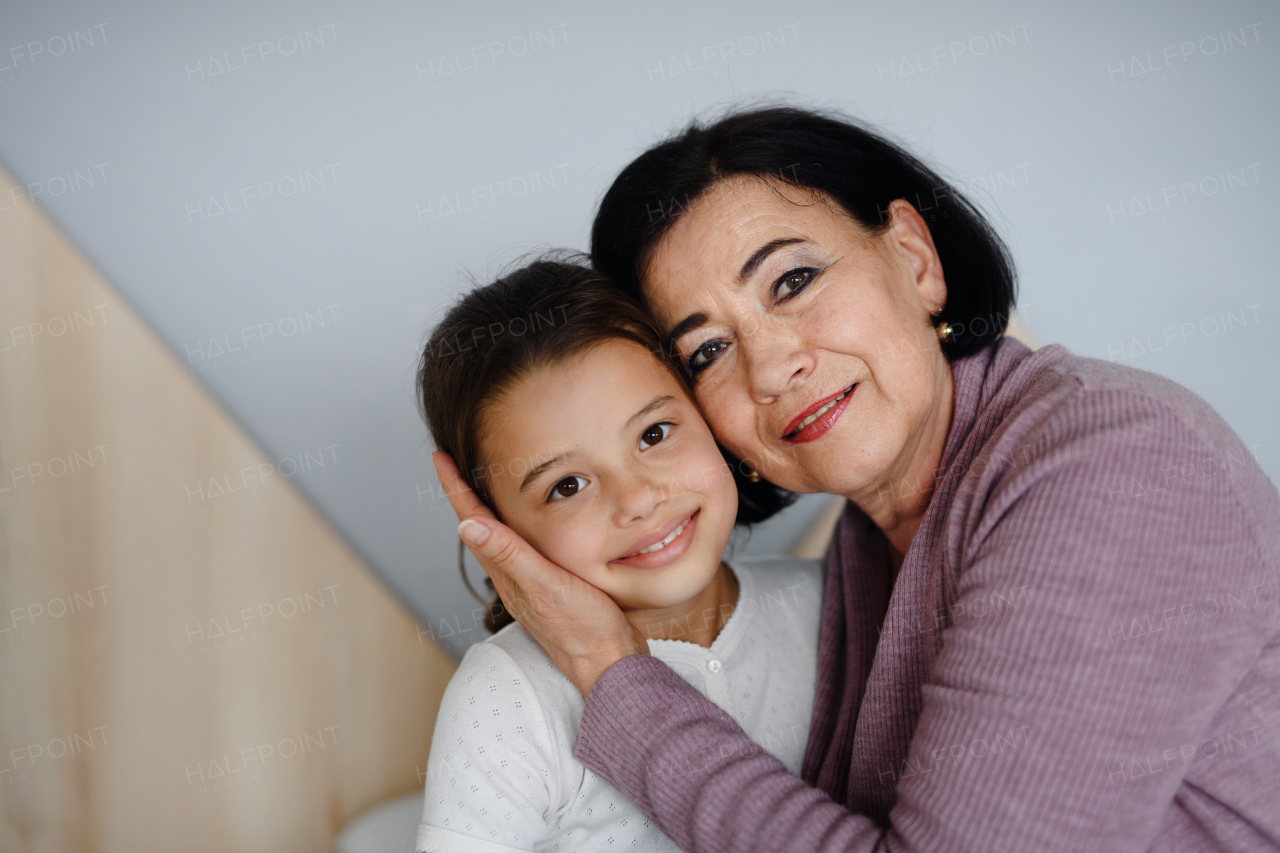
(830, 153)
(858, 169)
(537, 316)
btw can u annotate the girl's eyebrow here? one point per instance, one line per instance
(650, 407)
(534, 474)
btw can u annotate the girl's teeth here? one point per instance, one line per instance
(658, 546)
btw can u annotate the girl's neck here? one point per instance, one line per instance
(697, 620)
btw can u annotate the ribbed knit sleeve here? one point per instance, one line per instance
(693, 771)
(1111, 594)
(1108, 597)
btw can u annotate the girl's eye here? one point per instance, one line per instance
(705, 354)
(792, 283)
(653, 434)
(567, 488)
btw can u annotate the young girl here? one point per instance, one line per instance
(549, 390)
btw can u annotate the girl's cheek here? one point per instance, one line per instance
(703, 471)
(713, 475)
(576, 546)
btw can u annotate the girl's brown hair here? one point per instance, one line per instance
(540, 315)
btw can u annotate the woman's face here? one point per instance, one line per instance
(605, 456)
(784, 308)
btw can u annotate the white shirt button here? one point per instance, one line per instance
(714, 665)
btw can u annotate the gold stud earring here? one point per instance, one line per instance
(754, 476)
(945, 332)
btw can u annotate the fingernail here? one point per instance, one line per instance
(473, 532)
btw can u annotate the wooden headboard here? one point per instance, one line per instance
(190, 658)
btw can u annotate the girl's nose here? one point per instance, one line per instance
(638, 496)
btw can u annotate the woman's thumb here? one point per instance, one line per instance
(473, 532)
(495, 546)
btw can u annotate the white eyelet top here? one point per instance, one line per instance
(502, 776)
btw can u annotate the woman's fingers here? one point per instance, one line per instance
(521, 574)
(581, 629)
(579, 626)
(461, 498)
(509, 560)
(499, 549)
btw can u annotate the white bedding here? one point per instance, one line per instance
(390, 827)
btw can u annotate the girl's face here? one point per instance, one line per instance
(605, 465)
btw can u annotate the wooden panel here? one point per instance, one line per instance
(182, 666)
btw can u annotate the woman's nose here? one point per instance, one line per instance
(774, 361)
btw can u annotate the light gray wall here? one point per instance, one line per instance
(307, 182)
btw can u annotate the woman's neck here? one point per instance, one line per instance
(697, 620)
(898, 504)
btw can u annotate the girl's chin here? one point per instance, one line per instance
(658, 595)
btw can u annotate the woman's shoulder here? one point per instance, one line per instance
(1053, 383)
(1053, 402)
(1078, 437)
(1095, 379)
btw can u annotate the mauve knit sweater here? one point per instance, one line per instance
(1080, 652)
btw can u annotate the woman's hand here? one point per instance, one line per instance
(579, 626)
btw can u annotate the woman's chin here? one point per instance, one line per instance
(846, 465)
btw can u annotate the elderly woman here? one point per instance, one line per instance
(1050, 616)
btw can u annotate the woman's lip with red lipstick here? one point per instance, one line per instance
(672, 552)
(820, 425)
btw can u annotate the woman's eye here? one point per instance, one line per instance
(792, 283)
(703, 355)
(567, 488)
(653, 434)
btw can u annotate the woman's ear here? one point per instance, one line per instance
(910, 235)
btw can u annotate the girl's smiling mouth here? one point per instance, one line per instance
(663, 546)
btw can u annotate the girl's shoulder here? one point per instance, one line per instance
(512, 673)
(511, 664)
(501, 756)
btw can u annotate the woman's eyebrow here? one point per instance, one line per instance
(758, 257)
(687, 325)
(693, 321)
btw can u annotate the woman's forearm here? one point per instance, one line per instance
(697, 775)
